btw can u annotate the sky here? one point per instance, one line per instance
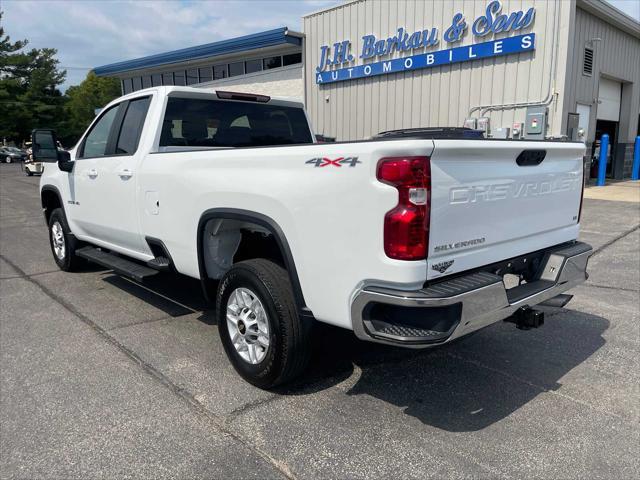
(88, 34)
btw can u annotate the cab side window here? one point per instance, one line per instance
(132, 126)
(95, 143)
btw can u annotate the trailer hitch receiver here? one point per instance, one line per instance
(526, 318)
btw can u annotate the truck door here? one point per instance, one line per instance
(105, 177)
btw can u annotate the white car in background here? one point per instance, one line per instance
(29, 166)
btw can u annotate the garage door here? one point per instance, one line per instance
(609, 100)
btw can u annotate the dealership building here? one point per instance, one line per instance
(516, 69)
(268, 62)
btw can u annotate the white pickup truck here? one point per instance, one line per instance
(406, 240)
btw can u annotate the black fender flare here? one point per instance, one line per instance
(268, 224)
(54, 189)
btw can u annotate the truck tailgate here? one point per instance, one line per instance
(490, 201)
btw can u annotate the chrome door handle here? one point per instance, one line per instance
(125, 173)
(93, 173)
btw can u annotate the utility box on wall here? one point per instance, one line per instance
(484, 125)
(517, 130)
(535, 126)
(500, 132)
(573, 127)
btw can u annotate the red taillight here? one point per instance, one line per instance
(406, 227)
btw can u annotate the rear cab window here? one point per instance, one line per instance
(199, 122)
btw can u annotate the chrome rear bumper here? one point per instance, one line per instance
(453, 308)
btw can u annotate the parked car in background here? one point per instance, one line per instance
(12, 154)
(29, 166)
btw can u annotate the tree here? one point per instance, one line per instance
(30, 98)
(13, 68)
(41, 97)
(82, 101)
(29, 94)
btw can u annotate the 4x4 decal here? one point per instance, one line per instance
(338, 162)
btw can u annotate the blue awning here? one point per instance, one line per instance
(278, 36)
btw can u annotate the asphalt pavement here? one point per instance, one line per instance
(103, 378)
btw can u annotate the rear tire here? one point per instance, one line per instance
(265, 339)
(28, 172)
(63, 243)
(8, 159)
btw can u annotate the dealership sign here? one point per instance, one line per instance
(491, 22)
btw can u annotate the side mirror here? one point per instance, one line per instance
(65, 163)
(44, 148)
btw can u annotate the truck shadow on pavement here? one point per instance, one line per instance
(175, 295)
(464, 386)
(469, 384)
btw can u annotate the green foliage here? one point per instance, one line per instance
(29, 94)
(82, 101)
(30, 98)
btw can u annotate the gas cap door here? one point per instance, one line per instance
(152, 203)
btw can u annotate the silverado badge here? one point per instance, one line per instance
(442, 266)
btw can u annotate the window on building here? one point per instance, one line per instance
(179, 78)
(253, 66)
(291, 59)
(220, 71)
(192, 76)
(132, 126)
(205, 74)
(272, 62)
(214, 123)
(156, 80)
(137, 83)
(127, 86)
(95, 143)
(587, 62)
(167, 78)
(146, 81)
(236, 69)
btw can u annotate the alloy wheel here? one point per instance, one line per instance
(248, 325)
(57, 240)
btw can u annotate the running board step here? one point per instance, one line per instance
(517, 294)
(160, 263)
(119, 265)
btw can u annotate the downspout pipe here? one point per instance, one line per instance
(550, 93)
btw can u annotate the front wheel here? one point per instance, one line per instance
(63, 243)
(8, 159)
(267, 342)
